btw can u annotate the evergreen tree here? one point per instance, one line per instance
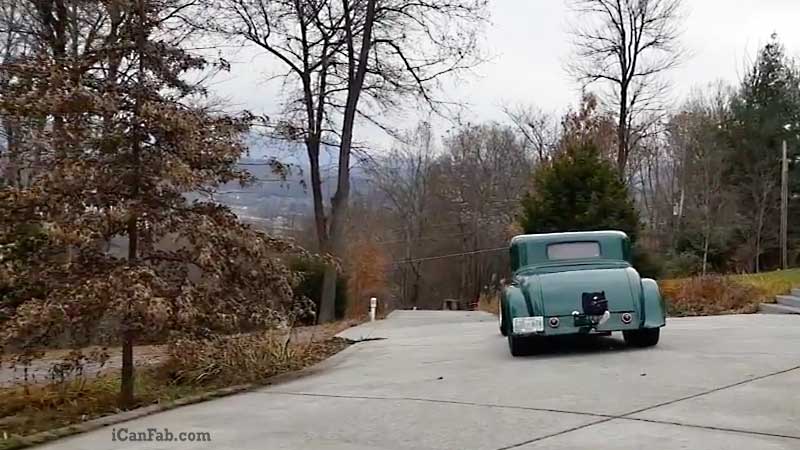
(578, 191)
(765, 113)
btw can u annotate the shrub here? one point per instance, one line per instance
(250, 358)
(710, 295)
(312, 272)
(579, 191)
(648, 264)
(489, 302)
(683, 265)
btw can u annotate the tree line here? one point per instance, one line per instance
(109, 124)
(700, 191)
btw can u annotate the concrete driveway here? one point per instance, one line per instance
(445, 380)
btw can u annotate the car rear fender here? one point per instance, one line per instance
(655, 312)
(516, 304)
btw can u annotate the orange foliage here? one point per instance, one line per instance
(367, 268)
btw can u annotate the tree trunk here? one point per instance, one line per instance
(127, 373)
(706, 238)
(327, 304)
(339, 203)
(408, 299)
(11, 169)
(126, 396)
(416, 284)
(327, 301)
(759, 226)
(622, 132)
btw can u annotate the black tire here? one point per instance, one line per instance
(503, 329)
(646, 337)
(519, 346)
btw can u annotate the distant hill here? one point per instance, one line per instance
(276, 203)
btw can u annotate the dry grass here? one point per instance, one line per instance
(242, 359)
(733, 294)
(26, 410)
(772, 283)
(489, 303)
(710, 295)
(189, 367)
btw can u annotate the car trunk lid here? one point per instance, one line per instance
(561, 292)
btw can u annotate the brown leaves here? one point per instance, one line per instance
(711, 295)
(121, 141)
(367, 275)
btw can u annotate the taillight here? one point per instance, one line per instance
(627, 318)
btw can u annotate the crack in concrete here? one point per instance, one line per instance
(431, 400)
(548, 436)
(603, 417)
(672, 402)
(711, 391)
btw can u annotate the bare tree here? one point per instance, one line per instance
(404, 177)
(627, 45)
(351, 61)
(13, 46)
(482, 177)
(708, 200)
(303, 38)
(651, 179)
(538, 129)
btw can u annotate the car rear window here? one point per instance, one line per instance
(573, 250)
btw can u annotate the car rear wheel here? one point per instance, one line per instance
(646, 337)
(518, 345)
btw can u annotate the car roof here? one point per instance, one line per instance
(567, 236)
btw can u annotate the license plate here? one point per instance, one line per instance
(587, 321)
(583, 320)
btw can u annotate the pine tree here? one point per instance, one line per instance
(578, 191)
(765, 112)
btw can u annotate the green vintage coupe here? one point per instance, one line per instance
(578, 284)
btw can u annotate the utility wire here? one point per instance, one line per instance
(431, 258)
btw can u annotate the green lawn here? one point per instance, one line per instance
(772, 283)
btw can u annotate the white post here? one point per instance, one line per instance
(373, 305)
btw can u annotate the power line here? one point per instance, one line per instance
(431, 258)
(442, 237)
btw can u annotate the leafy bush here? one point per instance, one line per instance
(710, 295)
(648, 264)
(16, 250)
(312, 272)
(683, 265)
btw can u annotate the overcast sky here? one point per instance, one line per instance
(529, 42)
